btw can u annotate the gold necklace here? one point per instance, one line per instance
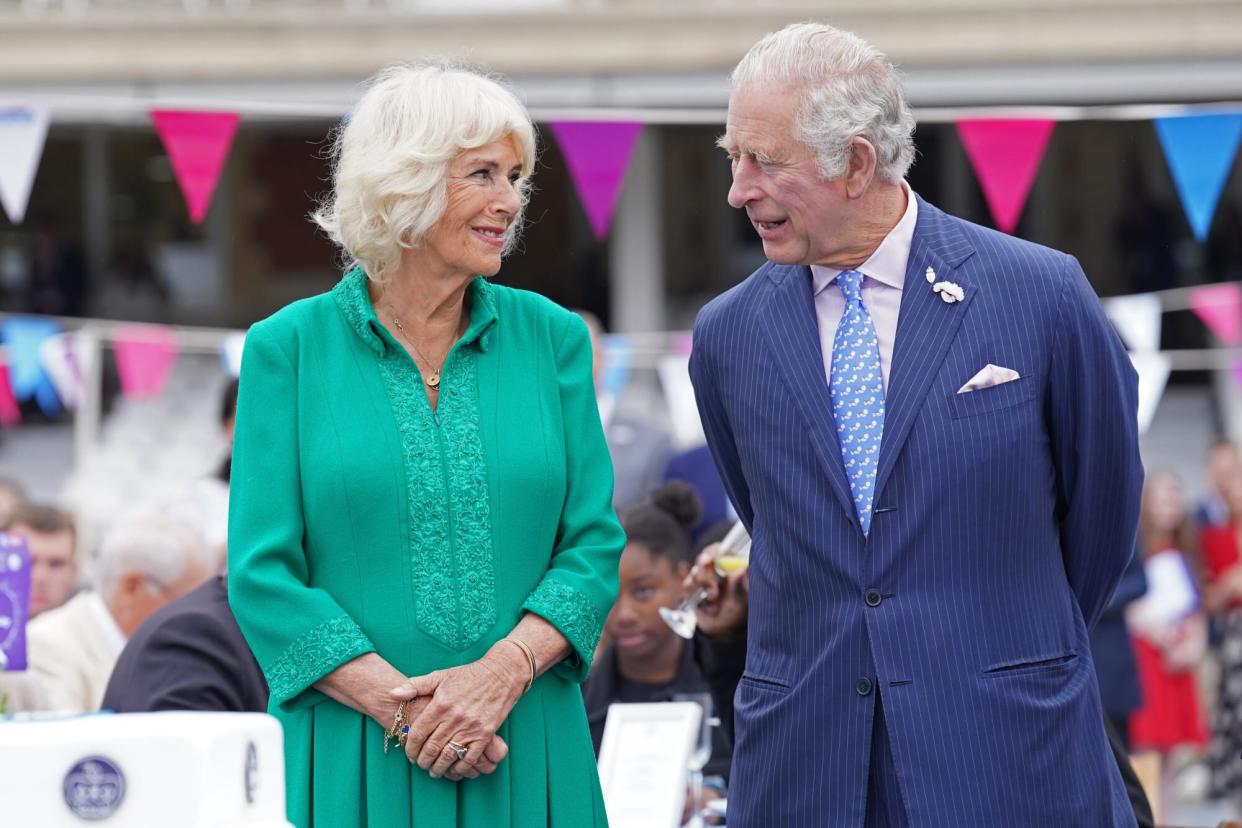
(432, 380)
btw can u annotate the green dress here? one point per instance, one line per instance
(362, 521)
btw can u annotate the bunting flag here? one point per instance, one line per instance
(1137, 319)
(681, 342)
(23, 341)
(1220, 308)
(63, 359)
(231, 353)
(23, 131)
(145, 355)
(1005, 155)
(1153, 374)
(1200, 150)
(674, 373)
(10, 413)
(597, 154)
(197, 144)
(617, 362)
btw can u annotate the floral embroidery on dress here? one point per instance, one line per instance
(314, 654)
(446, 477)
(570, 612)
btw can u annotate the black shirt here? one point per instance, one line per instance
(607, 686)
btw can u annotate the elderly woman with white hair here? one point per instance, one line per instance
(422, 546)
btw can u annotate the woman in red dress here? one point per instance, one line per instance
(1168, 626)
(1222, 559)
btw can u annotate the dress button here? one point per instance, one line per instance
(873, 597)
(863, 686)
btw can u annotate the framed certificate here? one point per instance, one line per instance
(642, 762)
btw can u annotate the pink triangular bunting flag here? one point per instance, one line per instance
(144, 358)
(1005, 155)
(1220, 308)
(197, 144)
(10, 413)
(597, 154)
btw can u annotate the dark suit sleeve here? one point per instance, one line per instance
(1092, 407)
(716, 427)
(187, 663)
(1133, 585)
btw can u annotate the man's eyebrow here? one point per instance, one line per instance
(726, 143)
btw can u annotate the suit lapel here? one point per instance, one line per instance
(793, 334)
(926, 327)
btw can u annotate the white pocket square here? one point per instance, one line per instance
(987, 377)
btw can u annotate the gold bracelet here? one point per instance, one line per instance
(400, 727)
(530, 656)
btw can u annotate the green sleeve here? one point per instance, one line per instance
(298, 632)
(581, 584)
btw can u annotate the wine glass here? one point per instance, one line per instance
(700, 755)
(733, 555)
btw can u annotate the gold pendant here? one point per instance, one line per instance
(433, 381)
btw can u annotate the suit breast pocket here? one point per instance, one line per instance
(998, 397)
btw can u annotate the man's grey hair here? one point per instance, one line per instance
(159, 548)
(849, 89)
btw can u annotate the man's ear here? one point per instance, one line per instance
(861, 170)
(130, 583)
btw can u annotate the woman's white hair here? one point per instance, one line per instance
(850, 88)
(391, 158)
(159, 548)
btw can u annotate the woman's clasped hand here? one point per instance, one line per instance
(462, 707)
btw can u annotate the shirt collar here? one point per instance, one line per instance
(107, 624)
(355, 303)
(888, 263)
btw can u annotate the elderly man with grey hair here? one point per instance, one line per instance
(144, 562)
(929, 429)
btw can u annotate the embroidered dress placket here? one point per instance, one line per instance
(449, 511)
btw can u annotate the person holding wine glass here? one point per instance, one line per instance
(645, 661)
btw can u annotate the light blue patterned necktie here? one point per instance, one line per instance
(857, 389)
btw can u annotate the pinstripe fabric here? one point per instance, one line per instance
(1003, 519)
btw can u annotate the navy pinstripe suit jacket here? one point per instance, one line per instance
(1003, 521)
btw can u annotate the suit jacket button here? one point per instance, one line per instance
(873, 597)
(863, 686)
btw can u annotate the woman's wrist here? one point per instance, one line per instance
(512, 665)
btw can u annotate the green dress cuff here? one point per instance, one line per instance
(575, 617)
(312, 656)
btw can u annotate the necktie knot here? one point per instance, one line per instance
(851, 285)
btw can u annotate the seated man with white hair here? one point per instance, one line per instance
(143, 564)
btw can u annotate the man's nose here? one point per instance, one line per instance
(743, 189)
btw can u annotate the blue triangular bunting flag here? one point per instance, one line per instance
(1200, 150)
(23, 339)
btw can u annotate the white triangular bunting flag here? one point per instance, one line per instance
(1153, 374)
(1137, 319)
(23, 129)
(65, 359)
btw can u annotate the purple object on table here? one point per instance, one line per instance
(14, 601)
